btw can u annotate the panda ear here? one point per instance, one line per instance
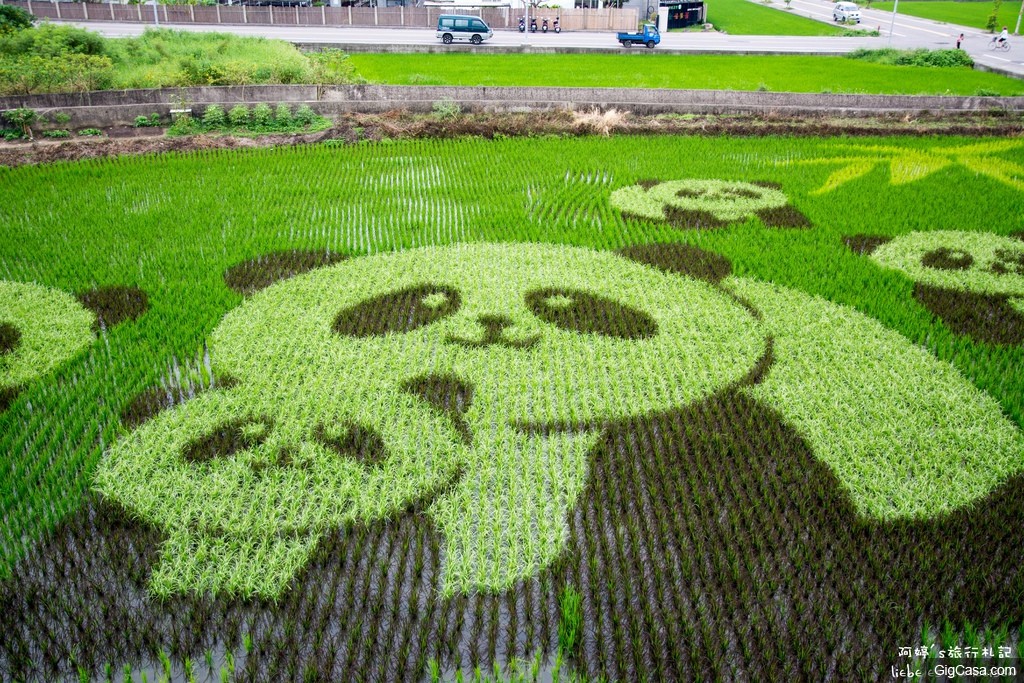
(864, 245)
(153, 401)
(114, 304)
(681, 259)
(787, 216)
(249, 277)
(987, 318)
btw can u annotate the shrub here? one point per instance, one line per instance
(289, 73)
(214, 117)
(283, 116)
(184, 125)
(305, 115)
(68, 72)
(51, 40)
(151, 121)
(57, 134)
(61, 117)
(23, 118)
(262, 115)
(14, 19)
(921, 57)
(93, 132)
(201, 71)
(331, 66)
(447, 109)
(239, 115)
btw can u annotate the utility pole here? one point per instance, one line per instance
(1016, 31)
(893, 22)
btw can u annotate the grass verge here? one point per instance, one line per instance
(972, 13)
(743, 17)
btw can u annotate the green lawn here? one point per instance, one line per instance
(783, 73)
(743, 17)
(973, 13)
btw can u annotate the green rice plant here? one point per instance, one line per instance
(571, 623)
(165, 662)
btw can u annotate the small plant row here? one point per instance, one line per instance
(260, 119)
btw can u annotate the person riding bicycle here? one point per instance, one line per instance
(1004, 36)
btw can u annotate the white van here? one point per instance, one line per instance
(452, 27)
(846, 11)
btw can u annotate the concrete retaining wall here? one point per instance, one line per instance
(120, 107)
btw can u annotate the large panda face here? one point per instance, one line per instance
(475, 376)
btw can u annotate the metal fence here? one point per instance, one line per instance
(413, 17)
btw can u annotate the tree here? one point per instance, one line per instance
(993, 19)
(14, 19)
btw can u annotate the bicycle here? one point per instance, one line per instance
(999, 45)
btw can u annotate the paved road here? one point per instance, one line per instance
(908, 32)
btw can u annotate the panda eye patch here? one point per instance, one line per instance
(226, 439)
(944, 258)
(10, 338)
(400, 311)
(578, 311)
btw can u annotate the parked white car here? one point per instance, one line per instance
(846, 11)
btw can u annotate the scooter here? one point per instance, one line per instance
(558, 29)
(533, 24)
(522, 25)
(544, 26)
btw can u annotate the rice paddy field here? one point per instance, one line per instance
(778, 73)
(547, 408)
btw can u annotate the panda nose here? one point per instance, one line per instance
(493, 326)
(494, 334)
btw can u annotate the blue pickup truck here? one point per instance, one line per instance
(649, 36)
